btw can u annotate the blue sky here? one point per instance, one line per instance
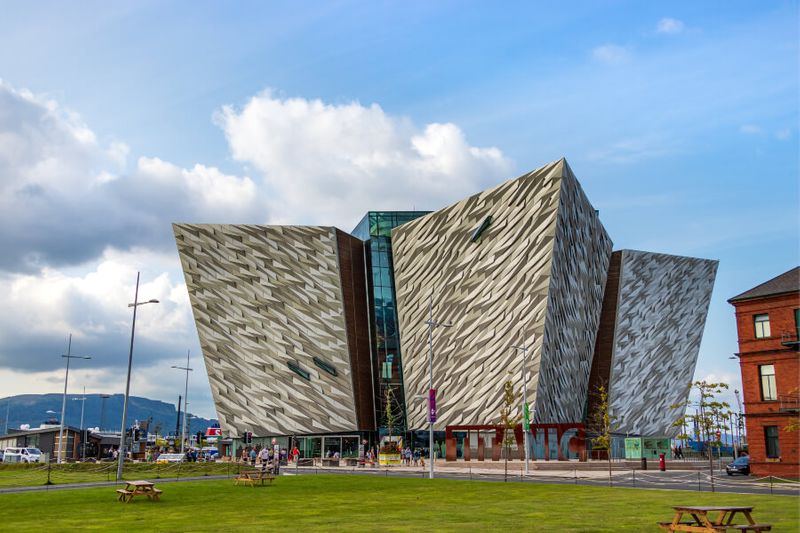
(680, 119)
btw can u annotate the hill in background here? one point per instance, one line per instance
(106, 414)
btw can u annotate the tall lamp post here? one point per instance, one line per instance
(67, 356)
(136, 303)
(8, 411)
(525, 412)
(103, 398)
(739, 422)
(82, 399)
(185, 396)
(431, 407)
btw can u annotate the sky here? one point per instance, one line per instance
(679, 119)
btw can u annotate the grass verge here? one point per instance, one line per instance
(361, 503)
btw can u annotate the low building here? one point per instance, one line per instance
(46, 439)
(768, 322)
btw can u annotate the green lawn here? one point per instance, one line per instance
(21, 475)
(361, 503)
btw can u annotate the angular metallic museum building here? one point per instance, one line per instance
(303, 329)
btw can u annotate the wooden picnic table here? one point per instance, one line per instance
(138, 488)
(251, 477)
(704, 521)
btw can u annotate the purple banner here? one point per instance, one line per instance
(432, 405)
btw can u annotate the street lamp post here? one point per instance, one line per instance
(8, 411)
(136, 303)
(103, 398)
(524, 350)
(431, 324)
(82, 399)
(67, 356)
(739, 422)
(185, 397)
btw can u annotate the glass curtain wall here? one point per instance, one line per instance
(375, 229)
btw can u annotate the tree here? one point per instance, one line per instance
(390, 417)
(508, 421)
(794, 424)
(600, 422)
(709, 415)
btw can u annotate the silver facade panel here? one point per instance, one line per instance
(661, 312)
(581, 254)
(512, 282)
(265, 298)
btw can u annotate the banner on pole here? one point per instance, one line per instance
(432, 405)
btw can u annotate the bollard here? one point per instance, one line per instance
(644, 463)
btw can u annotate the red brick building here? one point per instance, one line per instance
(768, 322)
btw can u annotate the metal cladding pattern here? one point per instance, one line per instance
(265, 297)
(581, 254)
(536, 272)
(660, 317)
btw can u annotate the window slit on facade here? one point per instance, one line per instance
(299, 370)
(324, 365)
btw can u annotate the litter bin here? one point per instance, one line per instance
(644, 463)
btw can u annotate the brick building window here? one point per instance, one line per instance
(797, 323)
(771, 442)
(769, 389)
(762, 326)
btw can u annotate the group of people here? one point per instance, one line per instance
(411, 457)
(266, 455)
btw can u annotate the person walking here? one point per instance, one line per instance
(264, 458)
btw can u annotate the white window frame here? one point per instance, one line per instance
(761, 325)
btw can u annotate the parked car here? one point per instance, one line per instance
(22, 455)
(171, 458)
(739, 466)
(211, 453)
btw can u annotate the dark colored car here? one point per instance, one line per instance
(739, 466)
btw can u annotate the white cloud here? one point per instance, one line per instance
(93, 305)
(78, 223)
(65, 196)
(750, 129)
(669, 26)
(633, 149)
(611, 54)
(328, 164)
(783, 134)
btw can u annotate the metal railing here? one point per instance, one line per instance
(789, 402)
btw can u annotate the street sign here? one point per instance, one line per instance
(432, 405)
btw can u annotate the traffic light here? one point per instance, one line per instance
(248, 437)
